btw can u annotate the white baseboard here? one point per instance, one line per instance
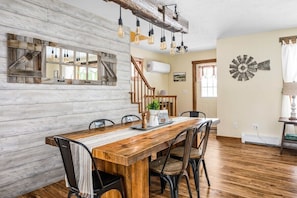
(258, 139)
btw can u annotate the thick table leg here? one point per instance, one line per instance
(136, 178)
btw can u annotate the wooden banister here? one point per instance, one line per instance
(141, 74)
(143, 94)
(140, 88)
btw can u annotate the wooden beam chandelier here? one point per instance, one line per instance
(159, 15)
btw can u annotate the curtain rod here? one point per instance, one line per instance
(287, 39)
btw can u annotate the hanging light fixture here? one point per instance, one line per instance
(161, 41)
(56, 55)
(151, 34)
(172, 45)
(138, 26)
(52, 55)
(121, 32)
(164, 41)
(182, 48)
(137, 32)
(64, 57)
(163, 45)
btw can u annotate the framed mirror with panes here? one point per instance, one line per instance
(32, 60)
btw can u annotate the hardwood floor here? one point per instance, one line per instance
(234, 169)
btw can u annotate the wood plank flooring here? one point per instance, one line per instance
(235, 170)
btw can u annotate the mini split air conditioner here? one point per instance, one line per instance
(155, 66)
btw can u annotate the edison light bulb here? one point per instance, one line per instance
(172, 51)
(182, 50)
(164, 43)
(151, 39)
(121, 32)
(137, 39)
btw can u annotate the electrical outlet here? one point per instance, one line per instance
(255, 126)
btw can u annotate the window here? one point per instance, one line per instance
(208, 77)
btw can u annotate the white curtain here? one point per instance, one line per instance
(289, 66)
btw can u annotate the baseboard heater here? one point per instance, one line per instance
(261, 140)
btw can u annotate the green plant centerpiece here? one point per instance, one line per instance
(154, 105)
(154, 109)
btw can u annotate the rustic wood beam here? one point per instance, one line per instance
(158, 15)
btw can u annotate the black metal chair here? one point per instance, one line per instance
(197, 152)
(100, 123)
(199, 114)
(102, 181)
(130, 118)
(171, 170)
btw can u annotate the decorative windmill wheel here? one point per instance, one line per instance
(244, 67)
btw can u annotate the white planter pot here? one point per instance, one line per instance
(154, 121)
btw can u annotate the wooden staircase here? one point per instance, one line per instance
(143, 94)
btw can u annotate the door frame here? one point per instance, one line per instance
(194, 79)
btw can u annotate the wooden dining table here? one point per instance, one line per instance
(130, 156)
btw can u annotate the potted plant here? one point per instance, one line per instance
(154, 105)
(154, 108)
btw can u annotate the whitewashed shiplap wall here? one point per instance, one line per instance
(29, 113)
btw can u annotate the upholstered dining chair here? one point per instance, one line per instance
(102, 181)
(100, 123)
(130, 118)
(197, 152)
(193, 114)
(171, 170)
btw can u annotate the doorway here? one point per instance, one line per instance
(205, 86)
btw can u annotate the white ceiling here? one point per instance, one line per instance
(209, 20)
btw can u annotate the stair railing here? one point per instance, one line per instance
(143, 94)
(140, 88)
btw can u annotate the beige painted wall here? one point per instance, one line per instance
(258, 100)
(183, 90)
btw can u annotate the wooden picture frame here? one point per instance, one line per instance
(179, 76)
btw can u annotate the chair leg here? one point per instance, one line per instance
(172, 184)
(195, 167)
(205, 171)
(175, 180)
(188, 184)
(163, 185)
(69, 194)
